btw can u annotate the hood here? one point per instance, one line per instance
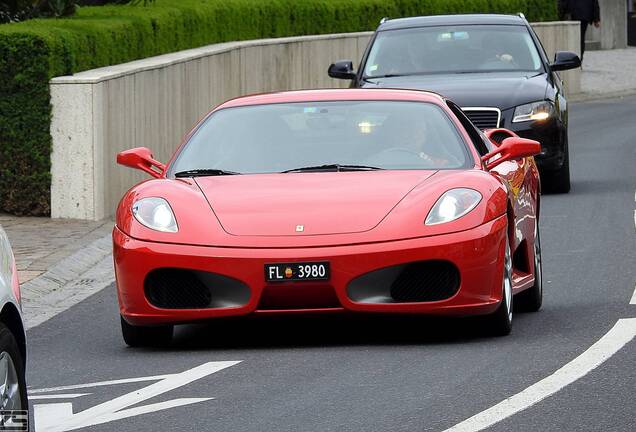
(322, 203)
(494, 89)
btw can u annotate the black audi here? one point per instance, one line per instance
(492, 66)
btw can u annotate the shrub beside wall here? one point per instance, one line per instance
(34, 51)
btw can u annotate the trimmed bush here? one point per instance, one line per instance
(34, 51)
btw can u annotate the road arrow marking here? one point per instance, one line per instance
(619, 335)
(99, 384)
(59, 417)
(58, 396)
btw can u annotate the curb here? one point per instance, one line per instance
(591, 97)
(68, 282)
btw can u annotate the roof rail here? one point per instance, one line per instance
(383, 20)
(521, 15)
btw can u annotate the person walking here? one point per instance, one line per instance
(585, 11)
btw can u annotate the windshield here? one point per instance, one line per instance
(452, 49)
(357, 134)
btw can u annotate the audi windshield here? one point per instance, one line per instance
(452, 49)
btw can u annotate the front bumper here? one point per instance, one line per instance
(477, 253)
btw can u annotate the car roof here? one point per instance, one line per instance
(334, 95)
(439, 20)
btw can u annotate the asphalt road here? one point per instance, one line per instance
(412, 374)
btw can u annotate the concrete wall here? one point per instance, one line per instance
(613, 27)
(612, 33)
(562, 36)
(153, 102)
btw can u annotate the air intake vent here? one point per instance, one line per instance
(176, 289)
(499, 137)
(426, 281)
(483, 118)
(420, 281)
(171, 288)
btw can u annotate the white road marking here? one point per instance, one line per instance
(633, 300)
(59, 417)
(622, 333)
(99, 384)
(58, 396)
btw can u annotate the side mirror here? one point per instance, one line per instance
(564, 60)
(512, 148)
(342, 69)
(141, 158)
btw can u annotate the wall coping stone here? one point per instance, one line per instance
(95, 76)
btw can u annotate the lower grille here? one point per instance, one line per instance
(298, 296)
(426, 281)
(420, 281)
(483, 118)
(171, 288)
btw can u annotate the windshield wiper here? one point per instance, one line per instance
(396, 75)
(204, 172)
(392, 75)
(333, 167)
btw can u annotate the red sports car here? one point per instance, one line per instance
(385, 201)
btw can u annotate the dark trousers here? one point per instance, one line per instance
(584, 25)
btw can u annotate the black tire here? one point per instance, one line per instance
(9, 345)
(142, 336)
(558, 181)
(499, 323)
(531, 299)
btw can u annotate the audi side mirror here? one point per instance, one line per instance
(565, 60)
(342, 69)
(141, 158)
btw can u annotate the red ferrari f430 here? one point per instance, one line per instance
(383, 201)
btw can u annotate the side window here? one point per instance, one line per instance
(539, 45)
(473, 133)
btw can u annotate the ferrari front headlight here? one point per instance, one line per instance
(155, 213)
(452, 205)
(533, 111)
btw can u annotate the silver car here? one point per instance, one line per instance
(13, 394)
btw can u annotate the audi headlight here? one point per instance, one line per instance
(156, 214)
(533, 111)
(452, 205)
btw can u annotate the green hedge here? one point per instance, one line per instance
(32, 52)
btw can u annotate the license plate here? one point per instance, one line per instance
(306, 271)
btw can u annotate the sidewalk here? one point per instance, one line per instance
(610, 73)
(61, 262)
(40, 243)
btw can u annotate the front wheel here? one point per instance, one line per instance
(142, 336)
(500, 322)
(13, 394)
(558, 181)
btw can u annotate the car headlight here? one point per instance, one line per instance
(156, 214)
(533, 111)
(452, 205)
